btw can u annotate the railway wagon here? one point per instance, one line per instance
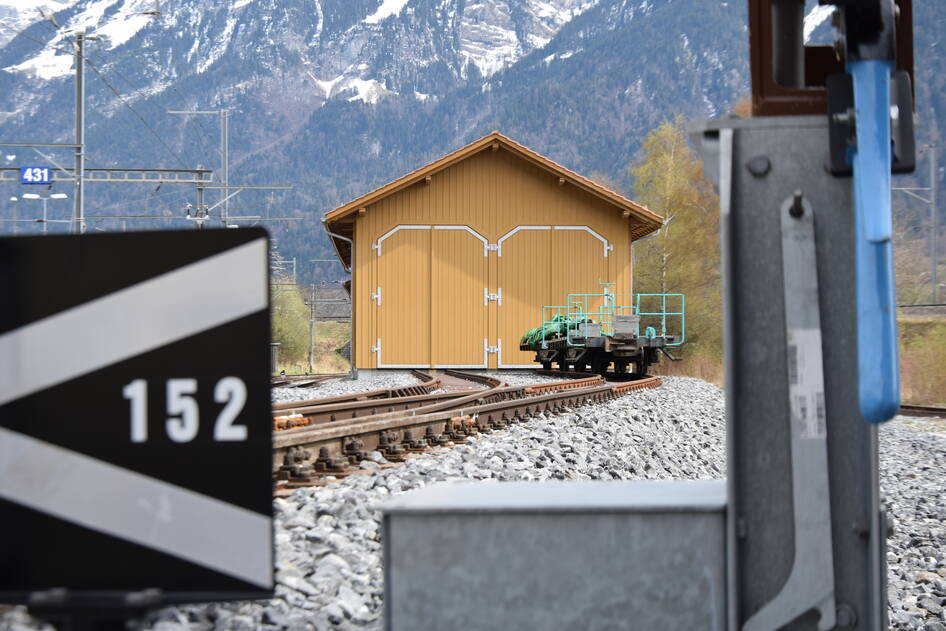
(451, 262)
(617, 332)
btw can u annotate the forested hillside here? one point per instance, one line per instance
(336, 97)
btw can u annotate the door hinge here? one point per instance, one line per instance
(376, 296)
(487, 297)
(376, 348)
(492, 247)
(492, 349)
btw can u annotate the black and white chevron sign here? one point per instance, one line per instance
(135, 424)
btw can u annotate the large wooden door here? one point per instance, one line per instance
(525, 280)
(579, 266)
(541, 265)
(403, 261)
(459, 311)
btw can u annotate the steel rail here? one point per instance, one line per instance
(397, 406)
(343, 443)
(429, 384)
(297, 414)
(907, 409)
(609, 376)
(302, 381)
(303, 416)
(302, 455)
(489, 382)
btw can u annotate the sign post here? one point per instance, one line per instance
(135, 431)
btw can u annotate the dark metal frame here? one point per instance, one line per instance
(770, 98)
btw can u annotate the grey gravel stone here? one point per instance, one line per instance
(328, 548)
(242, 623)
(366, 381)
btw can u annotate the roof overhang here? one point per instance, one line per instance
(339, 223)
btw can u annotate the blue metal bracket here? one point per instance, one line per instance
(877, 356)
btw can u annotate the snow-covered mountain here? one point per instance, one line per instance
(16, 15)
(338, 96)
(362, 49)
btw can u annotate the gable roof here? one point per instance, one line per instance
(340, 231)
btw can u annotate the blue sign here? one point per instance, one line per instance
(35, 175)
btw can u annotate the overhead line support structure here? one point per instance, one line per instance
(79, 209)
(81, 175)
(224, 152)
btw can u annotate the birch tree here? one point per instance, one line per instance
(683, 257)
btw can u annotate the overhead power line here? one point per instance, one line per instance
(114, 90)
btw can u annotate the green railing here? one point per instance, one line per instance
(663, 313)
(666, 311)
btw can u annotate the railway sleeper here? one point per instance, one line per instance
(497, 423)
(456, 429)
(412, 444)
(390, 447)
(433, 439)
(484, 424)
(453, 434)
(294, 467)
(354, 450)
(326, 463)
(470, 426)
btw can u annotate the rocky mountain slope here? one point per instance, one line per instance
(335, 97)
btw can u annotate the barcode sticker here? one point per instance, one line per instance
(792, 364)
(820, 414)
(806, 382)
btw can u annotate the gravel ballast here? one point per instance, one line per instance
(328, 550)
(337, 387)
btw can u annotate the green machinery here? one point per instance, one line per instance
(594, 331)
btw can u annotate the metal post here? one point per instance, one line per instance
(933, 222)
(353, 374)
(79, 212)
(44, 215)
(311, 325)
(225, 160)
(769, 532)
(200, 203)
(224, 156)
(788, 50)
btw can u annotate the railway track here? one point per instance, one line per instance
(572, 374)
(304, 381)
(922, 410)
(428, 384)
(331, 438)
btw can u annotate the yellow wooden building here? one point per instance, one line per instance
(453, 262)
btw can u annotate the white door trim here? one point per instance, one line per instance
(607, 247)
(499, 243)
(471, 231)
(377, 350)
(499, 360)
(377, 245)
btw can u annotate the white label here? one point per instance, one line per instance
(806, 382)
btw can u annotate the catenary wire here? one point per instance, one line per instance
(114, 90)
